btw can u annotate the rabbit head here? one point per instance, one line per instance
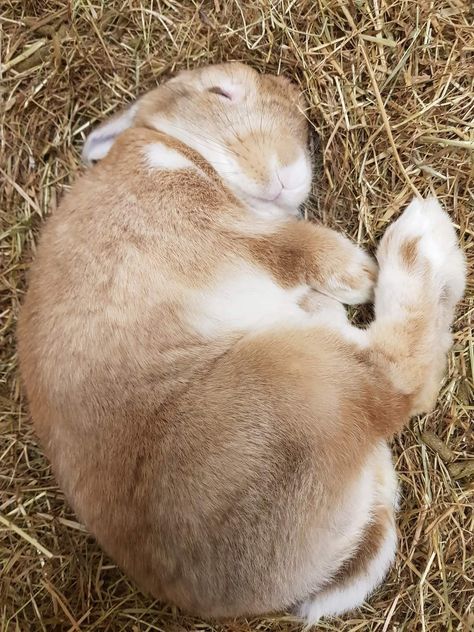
(245, 124)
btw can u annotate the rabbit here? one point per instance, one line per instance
(211, 414)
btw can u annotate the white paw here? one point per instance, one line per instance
(353, 283)
(424, 237)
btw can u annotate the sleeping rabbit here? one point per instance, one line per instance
(209, 411)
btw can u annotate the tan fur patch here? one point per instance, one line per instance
(409, 251)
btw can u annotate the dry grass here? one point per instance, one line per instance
(390, 88)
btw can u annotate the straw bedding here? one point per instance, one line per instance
(390, 90)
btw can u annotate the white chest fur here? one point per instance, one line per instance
(245, 299)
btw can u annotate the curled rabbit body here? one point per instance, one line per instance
(210, 413)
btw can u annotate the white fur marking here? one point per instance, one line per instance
(160, 156)
(340, 599)
(344, 598)
(245, 299)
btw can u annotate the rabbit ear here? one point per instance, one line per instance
(99, 142)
